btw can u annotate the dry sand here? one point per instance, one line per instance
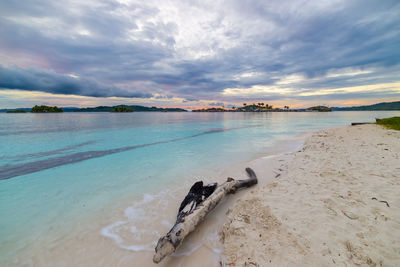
(336, 203)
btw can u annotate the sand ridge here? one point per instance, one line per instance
(337, 202)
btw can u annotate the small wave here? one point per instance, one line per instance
(137, 248)
(109, 232)
(146, 220)
(137, 230)
(188, 252)
(214, 243)
(216, 250)
(211, 241)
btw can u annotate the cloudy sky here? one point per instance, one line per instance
(199, 53)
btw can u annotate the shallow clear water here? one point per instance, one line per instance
(57, 170)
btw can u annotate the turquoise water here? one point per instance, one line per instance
(58, 169)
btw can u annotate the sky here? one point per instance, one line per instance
(193, 54)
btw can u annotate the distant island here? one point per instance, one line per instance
(255, 107)
(380, 106)
(126, 108)
(119, 108)
(261, 107)
(16, 111)
(46, 109)
(320, 109)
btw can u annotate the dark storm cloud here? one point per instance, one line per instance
(144, 48)
(39, 80)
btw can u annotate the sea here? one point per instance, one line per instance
(99, 189)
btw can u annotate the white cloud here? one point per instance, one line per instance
(335, 73)
(258, 91)
(291, 79)
(387, 87)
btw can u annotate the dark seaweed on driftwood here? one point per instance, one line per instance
(197, 194)
(195, 206)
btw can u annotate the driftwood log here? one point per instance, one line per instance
(187, 221)
(361, 123)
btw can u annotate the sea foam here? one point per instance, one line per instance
(137, 231)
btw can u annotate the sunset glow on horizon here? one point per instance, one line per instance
(199, 54)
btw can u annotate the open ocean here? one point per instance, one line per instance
(63, 176)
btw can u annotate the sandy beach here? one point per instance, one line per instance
(336, 203)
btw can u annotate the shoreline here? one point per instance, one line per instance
(101, 245)
(327, 207)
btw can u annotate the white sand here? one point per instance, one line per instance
(323, 209)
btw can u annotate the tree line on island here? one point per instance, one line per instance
(45, 109)
(261, 107)
(38, 109)
(119, 109)
(255, 107)
(127, 108)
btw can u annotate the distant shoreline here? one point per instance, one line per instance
(384, 106)
(102, 112)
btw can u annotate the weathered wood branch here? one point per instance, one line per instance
(188, 222)
(361, 123)
(248, 182)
